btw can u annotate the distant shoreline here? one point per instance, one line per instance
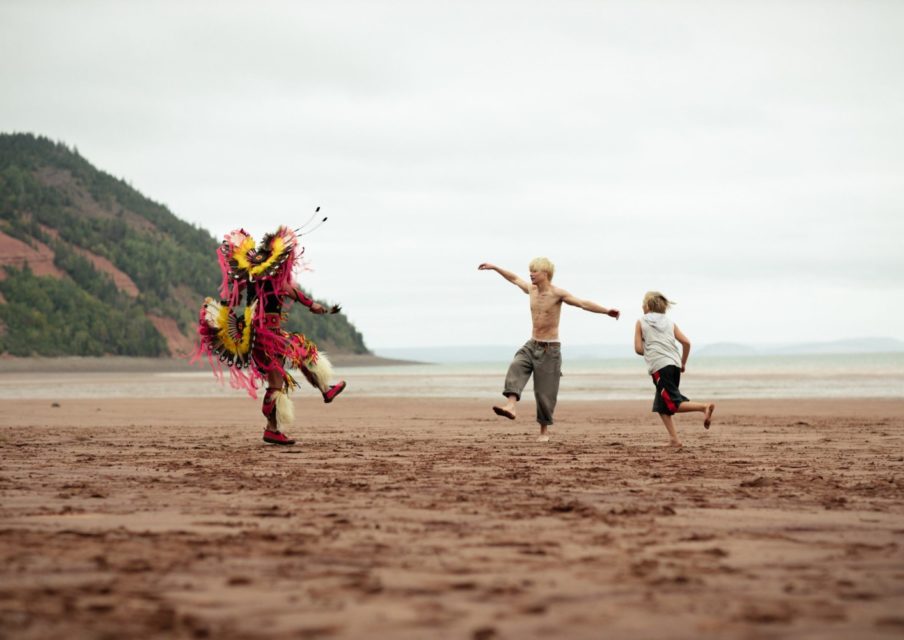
(124, 364)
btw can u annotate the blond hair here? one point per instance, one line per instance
(655, 302)
(542, 264)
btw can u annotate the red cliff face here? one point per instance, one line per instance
(177, 342)
(121, 279)
(39, 257)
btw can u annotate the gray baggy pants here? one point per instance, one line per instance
(544, 361)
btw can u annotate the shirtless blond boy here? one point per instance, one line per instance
(541, 355)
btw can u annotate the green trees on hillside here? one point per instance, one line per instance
(49, 193)
(86, 277)
(49, 317)
(158, 258)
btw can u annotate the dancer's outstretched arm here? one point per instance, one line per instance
(508, 275)
(314, 307)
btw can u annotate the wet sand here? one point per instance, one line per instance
(436, 519)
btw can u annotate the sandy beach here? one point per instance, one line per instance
(423, 518)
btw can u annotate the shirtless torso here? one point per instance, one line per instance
(545, 312)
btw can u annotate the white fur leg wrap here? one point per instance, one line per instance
(322, 372)
(285, 410)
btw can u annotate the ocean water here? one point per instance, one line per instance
(824, 376)
(815, 376)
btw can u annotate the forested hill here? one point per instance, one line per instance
(89, 266)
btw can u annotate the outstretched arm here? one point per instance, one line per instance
(508, 275)
(685, 346)
(314, 307)
(638, 339)
(587, 305)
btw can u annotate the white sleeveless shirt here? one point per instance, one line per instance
(660, 348)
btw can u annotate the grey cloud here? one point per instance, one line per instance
(702, 145)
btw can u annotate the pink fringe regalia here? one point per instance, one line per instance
(252, 343)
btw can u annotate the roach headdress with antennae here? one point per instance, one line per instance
(301, 230)
(309, 220)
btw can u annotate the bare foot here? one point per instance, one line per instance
(543, 438)
(708, 415)
(675, 444)
(505, 412)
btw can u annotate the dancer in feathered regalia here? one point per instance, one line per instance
(253, 344)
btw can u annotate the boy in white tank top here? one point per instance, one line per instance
(654, 339)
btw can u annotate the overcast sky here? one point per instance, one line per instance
(745, 158)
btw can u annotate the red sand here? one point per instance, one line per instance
(436, 519)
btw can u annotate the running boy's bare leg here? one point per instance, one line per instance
(670, 427)
(706, 408)
(544, 433)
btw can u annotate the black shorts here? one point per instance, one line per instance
(668, 397)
